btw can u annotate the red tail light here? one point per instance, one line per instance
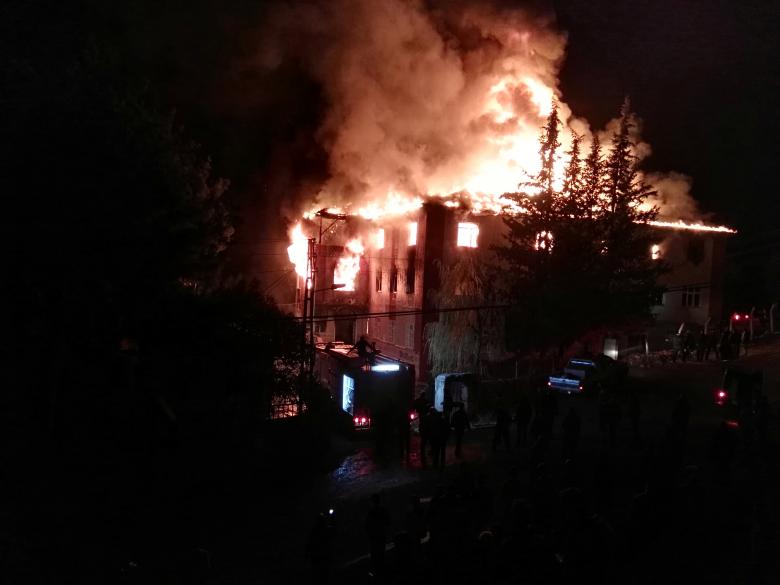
(357, 419)
(412, 416)
(721, 397)
(363, 420)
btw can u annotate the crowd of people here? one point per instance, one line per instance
(696, 344)
(558, 515)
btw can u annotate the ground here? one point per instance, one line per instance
(357, 474)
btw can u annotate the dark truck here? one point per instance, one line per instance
(365, 389)
(585, 375)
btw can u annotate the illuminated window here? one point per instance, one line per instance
(379, 239)
(413, 233)
(467, 235)
(655, 251)
(347, 394)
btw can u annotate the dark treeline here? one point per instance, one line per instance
(137, 371)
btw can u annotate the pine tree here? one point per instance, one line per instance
(578, 258)
(572, 190)
(593, 179)
(625, 189)
(628, 269)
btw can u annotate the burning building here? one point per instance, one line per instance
(380, 284)
(432, 115)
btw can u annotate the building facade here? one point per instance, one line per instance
(391, 303)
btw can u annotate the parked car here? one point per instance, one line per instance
(585, 375)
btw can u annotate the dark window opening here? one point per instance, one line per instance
(695, 251)
(378, 279)
(410, 271)
(394, 280)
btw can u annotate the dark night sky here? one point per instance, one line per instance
(702, 74)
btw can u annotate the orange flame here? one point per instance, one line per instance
(348, 266)
(298, 251)
(696, 227)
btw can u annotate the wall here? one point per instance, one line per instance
(696, 261)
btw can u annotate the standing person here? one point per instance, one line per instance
(687, 345)
(377, 523)
(523, 414)
(676, 346)
(442, 431)
(421, 405)
(709, 345)
(426, 426)
(701, 344)
(439, 431)
(724, 345)
(571, 433)
(403, 428)
(460, 423)
(501, 432)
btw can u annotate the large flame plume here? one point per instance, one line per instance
(348, 266)
(439, 99)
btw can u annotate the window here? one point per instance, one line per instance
(347, 394)
(655, 251)
(695, 251)
(691, 297)
(378, 280)
(467, 235)
(379, 239)
(411, 259)
(394, 279)
(413, 233)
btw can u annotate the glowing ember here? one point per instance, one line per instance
(297, 251)
(349, 265)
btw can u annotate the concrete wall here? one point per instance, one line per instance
(697, 263)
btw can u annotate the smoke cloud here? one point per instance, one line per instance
(430, 98)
